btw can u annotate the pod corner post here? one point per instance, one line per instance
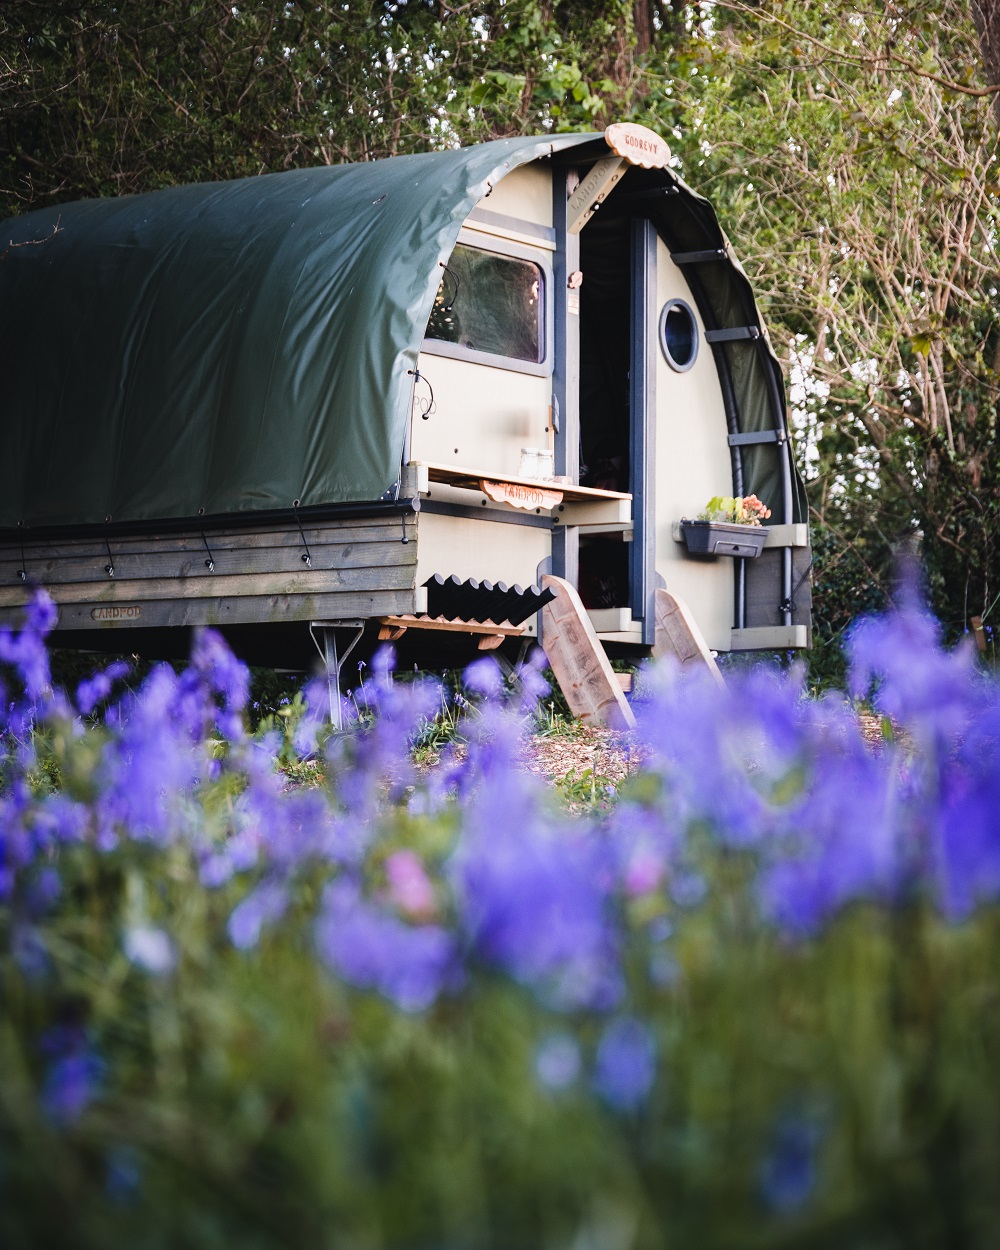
(566, 370)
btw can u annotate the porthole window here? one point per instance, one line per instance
(678, 335)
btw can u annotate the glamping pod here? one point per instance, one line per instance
(423, 398)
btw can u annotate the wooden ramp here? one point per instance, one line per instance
(578, 660)
(677, 634)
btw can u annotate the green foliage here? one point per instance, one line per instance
(589, 791)
(859, 181)
(103, 99)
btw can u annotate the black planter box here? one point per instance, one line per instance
(716, 538)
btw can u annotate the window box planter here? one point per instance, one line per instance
(716, 538)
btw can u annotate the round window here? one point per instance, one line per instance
(678, 335)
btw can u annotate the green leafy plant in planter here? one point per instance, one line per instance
(732, 510)
(728, 526)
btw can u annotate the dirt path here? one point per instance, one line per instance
(609, 754)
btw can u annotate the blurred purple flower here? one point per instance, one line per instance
(74, 1075)
(370, 948)
(214, 663)
(789, 1172)
(932, 691)
(150, 949)
(558, 1062)
(25, 649)
(967, 847)
(483, 677)
(625, 1064)
(535, 898)
(533, 685)
(41, 614)
(93, 689)
(262, 906)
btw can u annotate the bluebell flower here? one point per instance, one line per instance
(789, 1171)
(558, 1062)
(150, 948)
(262, 906)
(934, 692)
(92, 690)
(371, 948)
(483, 677)
(535, 898)
(625, 1064)
(74, 1074)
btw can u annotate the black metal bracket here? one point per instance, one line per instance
(734, 334)
(647, 197)
(750, 437)
(699, 258)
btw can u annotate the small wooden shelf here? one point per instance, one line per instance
(470, 479)
(491, 635)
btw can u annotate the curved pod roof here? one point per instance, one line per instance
(240, 346)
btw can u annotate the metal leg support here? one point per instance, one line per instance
(326, 645)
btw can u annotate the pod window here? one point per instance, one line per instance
(490, 304)
(678, 335)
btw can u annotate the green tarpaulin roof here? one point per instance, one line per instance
(239, 346)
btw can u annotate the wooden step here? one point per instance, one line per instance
(677, 634)
(579, 663)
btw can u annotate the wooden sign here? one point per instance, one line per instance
(638, 145)
(520, 495)
(595, 187)
(117, 612)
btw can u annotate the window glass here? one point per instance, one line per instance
(678, 335)
(490, 303)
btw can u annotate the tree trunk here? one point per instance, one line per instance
(642, 26)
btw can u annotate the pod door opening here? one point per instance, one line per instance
(605, 433)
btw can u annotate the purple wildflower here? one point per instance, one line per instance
(626, 1063)
(789, 1172)
(74, 1075)
(92, 690)
(26, 650)
(557, 1061)
(372, 949)
(483, 677)
(150, 949)
(263, 906)
(535, 900)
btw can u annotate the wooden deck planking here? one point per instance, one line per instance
(91, 566)
(239, 610)
(357, 569)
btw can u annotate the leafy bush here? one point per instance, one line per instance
(754, 1003)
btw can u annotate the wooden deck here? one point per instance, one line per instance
(240, 573)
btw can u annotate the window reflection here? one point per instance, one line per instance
(490, 303)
